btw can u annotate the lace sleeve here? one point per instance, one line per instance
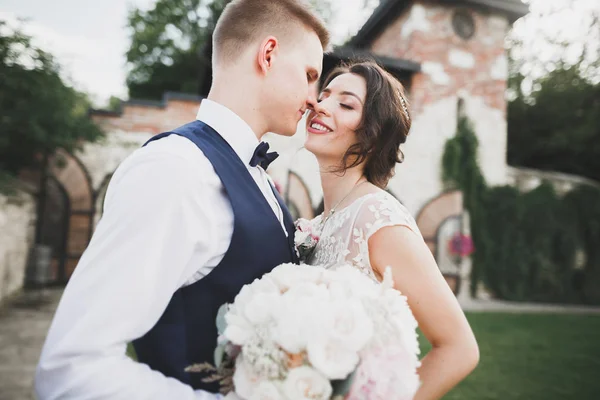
(376, 212)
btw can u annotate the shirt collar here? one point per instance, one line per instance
(231, 127)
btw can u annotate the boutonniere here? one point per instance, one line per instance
(305, 239)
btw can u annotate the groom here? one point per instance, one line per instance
(188, 220)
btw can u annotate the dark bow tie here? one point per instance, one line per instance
(261, 157)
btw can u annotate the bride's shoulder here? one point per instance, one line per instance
(381, 209)
(381, 203)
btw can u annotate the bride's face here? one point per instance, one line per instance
(331, 125)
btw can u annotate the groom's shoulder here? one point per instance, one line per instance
(172, 147)
(172, 152)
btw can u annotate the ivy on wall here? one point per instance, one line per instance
(533, 246)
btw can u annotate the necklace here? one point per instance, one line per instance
(332, 211)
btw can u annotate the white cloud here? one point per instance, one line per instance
(90, 64)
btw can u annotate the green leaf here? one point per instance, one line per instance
(219, 355)
(221, 323)
(342, 387)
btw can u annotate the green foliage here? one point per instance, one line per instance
(39, 113)
(585, 205)
(167, 44)
(170, 45)
(114, 103)
(557, 126)
(460, 170)
(526, 243)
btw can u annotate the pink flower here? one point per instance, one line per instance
(461, 245)
(304, 239)
(385, 373)
(304, 225)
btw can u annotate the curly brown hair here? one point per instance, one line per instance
(384, 125)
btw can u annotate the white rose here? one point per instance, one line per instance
(303, 225)
(266, 391)
(244, 380)
(349, 324)
(331, 358)
(304, 383)
(300, 237)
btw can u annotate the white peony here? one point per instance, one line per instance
(304, 383)
(262, 307)
(307, 325)
(349, 324)
(287, 275)
(265, 285)
(331, 358)
(266, 391)
(356, 283)
(301, 316)
(239, 330)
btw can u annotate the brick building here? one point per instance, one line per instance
(445, 52)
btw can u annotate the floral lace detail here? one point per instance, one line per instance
(345, 237)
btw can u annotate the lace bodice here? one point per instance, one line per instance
(344, 238)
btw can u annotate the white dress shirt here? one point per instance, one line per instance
(167, 223)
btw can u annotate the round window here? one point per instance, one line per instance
(463, 24)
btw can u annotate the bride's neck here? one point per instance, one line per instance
(337, 185)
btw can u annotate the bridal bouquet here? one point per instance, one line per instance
(304, 332)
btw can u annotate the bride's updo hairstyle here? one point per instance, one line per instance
(384, 125)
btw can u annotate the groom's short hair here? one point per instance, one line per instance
(244, 21)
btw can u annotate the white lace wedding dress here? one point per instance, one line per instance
(344, 238)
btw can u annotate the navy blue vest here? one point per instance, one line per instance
(186, 333)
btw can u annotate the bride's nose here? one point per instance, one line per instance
(318, 107)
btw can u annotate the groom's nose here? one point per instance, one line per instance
(311, 99)
(311, 102)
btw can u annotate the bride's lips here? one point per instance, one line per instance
(318, 131)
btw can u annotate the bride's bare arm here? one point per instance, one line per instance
(455, 353)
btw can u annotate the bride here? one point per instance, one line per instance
(355, 130)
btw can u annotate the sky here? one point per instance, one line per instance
(90, 40)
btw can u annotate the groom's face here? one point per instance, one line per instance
(292, 82)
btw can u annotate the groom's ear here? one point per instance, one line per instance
(267, 53)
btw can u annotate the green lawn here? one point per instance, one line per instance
(533, 356)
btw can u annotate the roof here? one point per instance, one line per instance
(389, 10)
(397, 64)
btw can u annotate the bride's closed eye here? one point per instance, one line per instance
(346, 106)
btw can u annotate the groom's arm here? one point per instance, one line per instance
(155, 218)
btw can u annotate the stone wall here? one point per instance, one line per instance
(17, 222)
(149, 116)
(473, 70)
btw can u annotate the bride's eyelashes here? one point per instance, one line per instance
(344, 106)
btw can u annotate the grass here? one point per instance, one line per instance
(533, 356)
(530, 357)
